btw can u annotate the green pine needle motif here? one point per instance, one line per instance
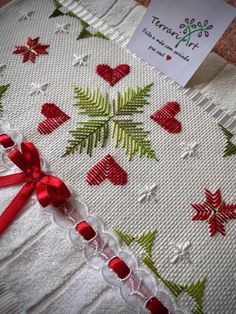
(3, 89)
(84, 33)
(92, 102)
(124, 237)
(146, 240)
(132, 138)
(88, 136)
(230, 147)
(133, 100)
(127, 133)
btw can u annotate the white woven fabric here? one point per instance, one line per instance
(43, 270)
(215, 78)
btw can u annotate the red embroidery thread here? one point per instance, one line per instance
(54, 118)
(112, 76)
(109, 169)
(165, 117)
(31, 49)
(215, 211)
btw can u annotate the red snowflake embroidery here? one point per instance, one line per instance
(31, 49)
(215, 211)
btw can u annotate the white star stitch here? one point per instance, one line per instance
(62, 28)
(2, 69)
(81, 60)
(189, 150)
(147, 193)
(25, 15)
(181, 252)
(38, 88)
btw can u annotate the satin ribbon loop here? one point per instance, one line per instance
(49, 189)
(6, 141)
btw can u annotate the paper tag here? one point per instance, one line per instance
(176, 36)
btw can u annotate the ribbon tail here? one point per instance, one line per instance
(15, 206)
(12, 179)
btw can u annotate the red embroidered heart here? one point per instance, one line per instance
(168, 57)
(165, 117)
(109, 169)
(54, 118)
(112, 76)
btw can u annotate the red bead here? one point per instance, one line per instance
(87, 231)
(156, 307)
(119, 267)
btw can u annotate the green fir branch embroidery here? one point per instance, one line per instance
(230, 147)
(3, 89)
(133, 100)
(132, 138)
(92, 102)
(85, 33)
(127, 133)
(88, 136)
(146, 240)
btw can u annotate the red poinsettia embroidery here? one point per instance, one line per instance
(31, 49)
(215, 211)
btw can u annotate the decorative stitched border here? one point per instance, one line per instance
(119, 268)
(220, 115)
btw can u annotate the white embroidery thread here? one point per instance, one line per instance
(25, 15)
(38, 88)
(148, 193)
(80, 60)
(181, 252)
(189, 150)
(62, 28)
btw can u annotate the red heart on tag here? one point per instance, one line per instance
(109, 169)
(168, 57)
(112, 76)
(54, 118)
(165, 117)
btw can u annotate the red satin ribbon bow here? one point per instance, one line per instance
(49, 189)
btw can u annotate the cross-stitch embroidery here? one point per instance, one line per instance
(146, 240)
(31, 49)
(127, 133)
(230, 147)
(215, 211)
(86, 31)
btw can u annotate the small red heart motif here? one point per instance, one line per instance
(168, 57)
(112, 76)
(109, 169)
(165, 117)
(54, 118)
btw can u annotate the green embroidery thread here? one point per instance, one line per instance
(230, 147)
(195, 290)
(3, 89)
(127, 133)
(84, 33)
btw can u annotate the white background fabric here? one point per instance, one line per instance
(37, 261)
(215, 78)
